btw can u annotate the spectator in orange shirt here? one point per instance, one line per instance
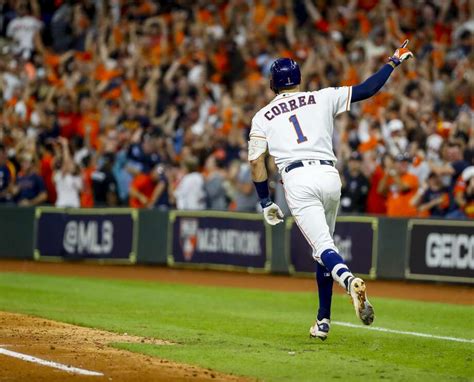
(46, 170)
(400, 187)
(88, 123)
(149, 190)
(377, 201)
(87, 194)
(67, 118)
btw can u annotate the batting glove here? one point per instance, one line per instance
(401, 54)
(272, 213)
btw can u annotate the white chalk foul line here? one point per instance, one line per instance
(416, 334)
(56, 365)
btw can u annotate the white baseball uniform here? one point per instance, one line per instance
(299, 127)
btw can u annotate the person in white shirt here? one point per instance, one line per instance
(189, 193)
(24, 31)
(68, 182)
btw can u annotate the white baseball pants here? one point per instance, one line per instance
(313, 193)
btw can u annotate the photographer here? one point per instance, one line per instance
(400, 187)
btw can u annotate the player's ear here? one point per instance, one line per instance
(271, 87)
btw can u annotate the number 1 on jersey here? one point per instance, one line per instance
(301, 138)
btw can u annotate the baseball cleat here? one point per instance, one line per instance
(364, 310)
(320, 329)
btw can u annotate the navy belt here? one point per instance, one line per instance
(301, 164)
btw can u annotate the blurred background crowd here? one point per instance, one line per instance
(147, 103)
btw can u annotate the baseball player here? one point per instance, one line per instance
(296, 128)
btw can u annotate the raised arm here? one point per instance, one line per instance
(373, 84)
(67, 166)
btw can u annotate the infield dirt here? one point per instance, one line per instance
(87, 349)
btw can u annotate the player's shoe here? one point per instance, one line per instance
(364, 310)
(320, 329)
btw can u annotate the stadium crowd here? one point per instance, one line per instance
(148, 103)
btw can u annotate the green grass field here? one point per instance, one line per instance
(256, 333)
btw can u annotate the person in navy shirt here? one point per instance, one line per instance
(160, 197)
(29, 189)
(144, 154)
(355, 186)
(455, 164)
(433, 199)
(7, 176)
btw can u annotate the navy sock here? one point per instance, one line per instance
(331, 258)
(335, 264)
(325, 282)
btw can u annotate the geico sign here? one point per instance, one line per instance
(450, 251)
(82, 237)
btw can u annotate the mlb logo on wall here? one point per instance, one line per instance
(188, 237)
(86, 234)
(219, 240)
(91, 237)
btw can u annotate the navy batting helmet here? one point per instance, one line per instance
(285, 73)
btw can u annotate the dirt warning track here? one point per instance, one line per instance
(446, 293)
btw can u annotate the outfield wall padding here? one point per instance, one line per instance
(16, 232)
(376, 247)
(279, 262)
(391, 248)
(152, 237)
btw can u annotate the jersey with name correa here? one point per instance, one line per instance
(299, 126)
